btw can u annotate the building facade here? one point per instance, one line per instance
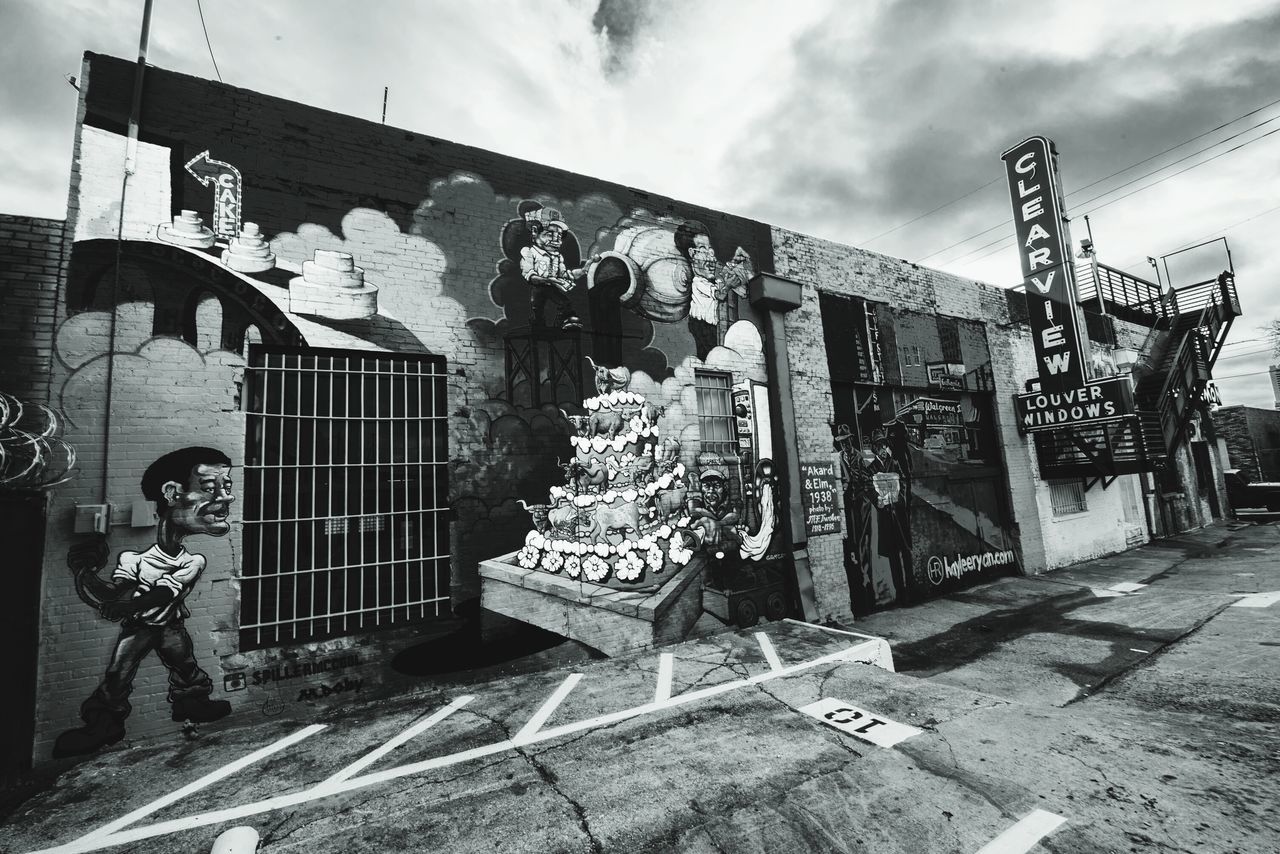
(325, 379)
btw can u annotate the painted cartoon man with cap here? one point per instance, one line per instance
(715, 518)
(544, 268)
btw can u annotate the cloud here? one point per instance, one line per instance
(829, 120)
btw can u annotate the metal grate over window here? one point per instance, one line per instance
(346, 490)
(1067, 497)
(716, 423)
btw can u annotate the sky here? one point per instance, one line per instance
(877, 124)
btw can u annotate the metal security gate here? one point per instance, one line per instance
(345, 494)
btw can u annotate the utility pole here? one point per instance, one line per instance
(384, 102)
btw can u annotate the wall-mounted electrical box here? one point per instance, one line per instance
(93, 518)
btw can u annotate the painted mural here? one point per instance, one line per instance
(33, 451)
(925, 498)
(146, 594)
(227, 246)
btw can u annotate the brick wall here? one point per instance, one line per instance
(1252, 435)
(33, 260)
(915, 295)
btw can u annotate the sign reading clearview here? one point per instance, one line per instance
(1045, 252)
(1065, 397)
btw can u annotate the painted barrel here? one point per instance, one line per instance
(652, 277)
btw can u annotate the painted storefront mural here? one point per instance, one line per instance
(212, 265)
(924, 491)
(146, 594)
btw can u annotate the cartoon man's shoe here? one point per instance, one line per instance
(89, 738)
(200, 710)
(571, 322)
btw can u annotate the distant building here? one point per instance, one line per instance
(1252, 435)
(1275, 384)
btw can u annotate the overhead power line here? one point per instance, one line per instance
(1081, 189)
(1205, 237)
(1121, 171)
(1132, 192)
(207, 42)
(927, 213)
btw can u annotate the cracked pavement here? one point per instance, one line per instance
(1149, 721)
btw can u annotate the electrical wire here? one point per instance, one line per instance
(207, 42)
(1126, 195)
(927, 213)
(1245, 374)
(1081, 189)
(1121, 171)
(1198, 240)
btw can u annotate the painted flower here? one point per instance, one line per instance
(678, 553)
(628, 567)
(552, 561)
(595, 568)
(528, 557)
(572, 566)
(664, 532)
(654, 558)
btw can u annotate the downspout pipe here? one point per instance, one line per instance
(774, 296)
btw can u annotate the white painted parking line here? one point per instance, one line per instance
(205, 781)
(529, 730)
(867, 726)
(1257, 600)
(770, 654)
(873, 651)
(1026, 833)
(666, 665)
(1143, 651)
(412, 732)
(1122, 588)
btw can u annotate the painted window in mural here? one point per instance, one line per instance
(345, 494)
(1067, 497)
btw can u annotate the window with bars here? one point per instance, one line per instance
(1067, 497)
(345, 494)
(716, 423)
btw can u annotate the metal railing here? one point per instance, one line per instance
(1121, 292)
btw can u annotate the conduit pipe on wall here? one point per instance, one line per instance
(774, 296)
(130, 162)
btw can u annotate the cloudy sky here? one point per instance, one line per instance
(839, 118)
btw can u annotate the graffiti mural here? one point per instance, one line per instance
(146, 593)
(427, 249)
(33, 452)
(926, 508)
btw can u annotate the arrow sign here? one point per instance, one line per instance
(225, 180)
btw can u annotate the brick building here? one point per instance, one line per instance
(1252, 437)
(343, 310)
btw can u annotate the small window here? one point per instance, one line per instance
(912, 356)
(715, 412)
(1067, 497)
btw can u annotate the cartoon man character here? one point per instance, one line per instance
(192, 491)
(544, 268)
(711, 283)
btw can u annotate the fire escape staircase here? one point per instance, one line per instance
(1188, 328)
(1166, 398)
